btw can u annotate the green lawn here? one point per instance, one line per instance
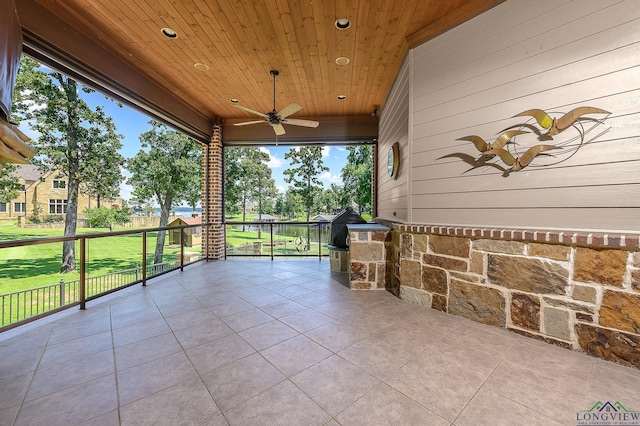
(38, 265)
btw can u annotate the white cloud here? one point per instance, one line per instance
(273, 162)
(326, 150)
(329, 178)
(281, 189)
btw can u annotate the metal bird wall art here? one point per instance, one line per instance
(503, 146)
(555, 126)
(519, 163)
(500, 142)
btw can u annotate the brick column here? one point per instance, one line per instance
(213, 196)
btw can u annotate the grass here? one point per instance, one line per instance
(34, 266)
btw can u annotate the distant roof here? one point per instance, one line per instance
(325, 217)
(27, 172)
(265, 217)
(187, 220)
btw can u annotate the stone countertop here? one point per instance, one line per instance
(367, 227)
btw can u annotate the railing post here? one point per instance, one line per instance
(271, 241)
(181, 249)
(319, 241)
(83, 275)
(144, 258)
(61, 284)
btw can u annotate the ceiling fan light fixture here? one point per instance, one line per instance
(234, 101)
(342, 97)
(169, 33)
(201, 67)
(342, 60)
(343, 23)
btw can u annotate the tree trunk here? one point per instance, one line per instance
(70, 223)
(164, 220)
(71, 217)
(244, 211)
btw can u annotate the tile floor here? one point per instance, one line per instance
(252, 342)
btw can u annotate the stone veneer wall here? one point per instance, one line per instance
(369, 259)
(214, 236)
(578, 291)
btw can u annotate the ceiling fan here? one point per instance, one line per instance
(277, 119)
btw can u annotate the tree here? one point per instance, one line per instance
(164, 172)
(248, 177)
(103, 217)
(306, 165)
(357, 176)
(232, 173)
(289, 204)
(9, 186)
(75, 141)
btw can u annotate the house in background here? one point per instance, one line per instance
(45, 194)
(191, 236)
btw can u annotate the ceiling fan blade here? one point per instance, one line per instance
(279, 129)
(288, 110)
(303, 123)
(246, 123)
(252, 111)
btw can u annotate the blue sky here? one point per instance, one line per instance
(130, 123)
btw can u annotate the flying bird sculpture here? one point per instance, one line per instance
(519, 163)
(557, 125)
(500, 142)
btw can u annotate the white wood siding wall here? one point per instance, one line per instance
(394, 127)
(548, 54)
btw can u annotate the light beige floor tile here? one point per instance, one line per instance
(293, 291)
(557, 397)
(110, 418)
(336, 336)
(77, 348)
(188, 402)
(140, 331)
(284, 404)
(153, 376)
(218, 352)
(247, 319)
(201, 333)
(490, 408)
(231, 307)
(13, 389)
(386, 406)
(136, 353)
(312, 299)
(64, 375)
(376, 357)
(282, 308)
(189, 318)
(305, 320)
(235, 383)
(295, 355)
(334, 383)
(443, 393)
(267, 334)
(74, 405)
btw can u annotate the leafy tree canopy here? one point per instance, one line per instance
(166, 172)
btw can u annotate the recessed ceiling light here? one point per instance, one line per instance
(201, 67)
(343, 24)
(342, 60)
(342, 97)
(234, 101)
(168, 32)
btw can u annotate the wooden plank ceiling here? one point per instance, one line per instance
(237, 42)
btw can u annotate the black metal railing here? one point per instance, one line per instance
(277, 239)
(22, 306)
